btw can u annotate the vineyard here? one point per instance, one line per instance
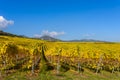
(33, 57)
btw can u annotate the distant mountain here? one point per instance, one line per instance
(2, 33)
(86, 40)
(48, 38)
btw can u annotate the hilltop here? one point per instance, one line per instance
(48, 38)
(2, 33)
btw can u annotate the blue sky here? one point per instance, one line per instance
(64, 19)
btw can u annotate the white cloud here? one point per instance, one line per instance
(37, 35)
(89, 35)
(4, 22)
(52, 33)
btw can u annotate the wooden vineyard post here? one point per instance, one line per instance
(58, 62)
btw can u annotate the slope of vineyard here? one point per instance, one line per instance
(31, 56)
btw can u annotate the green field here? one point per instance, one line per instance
(69, 75)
